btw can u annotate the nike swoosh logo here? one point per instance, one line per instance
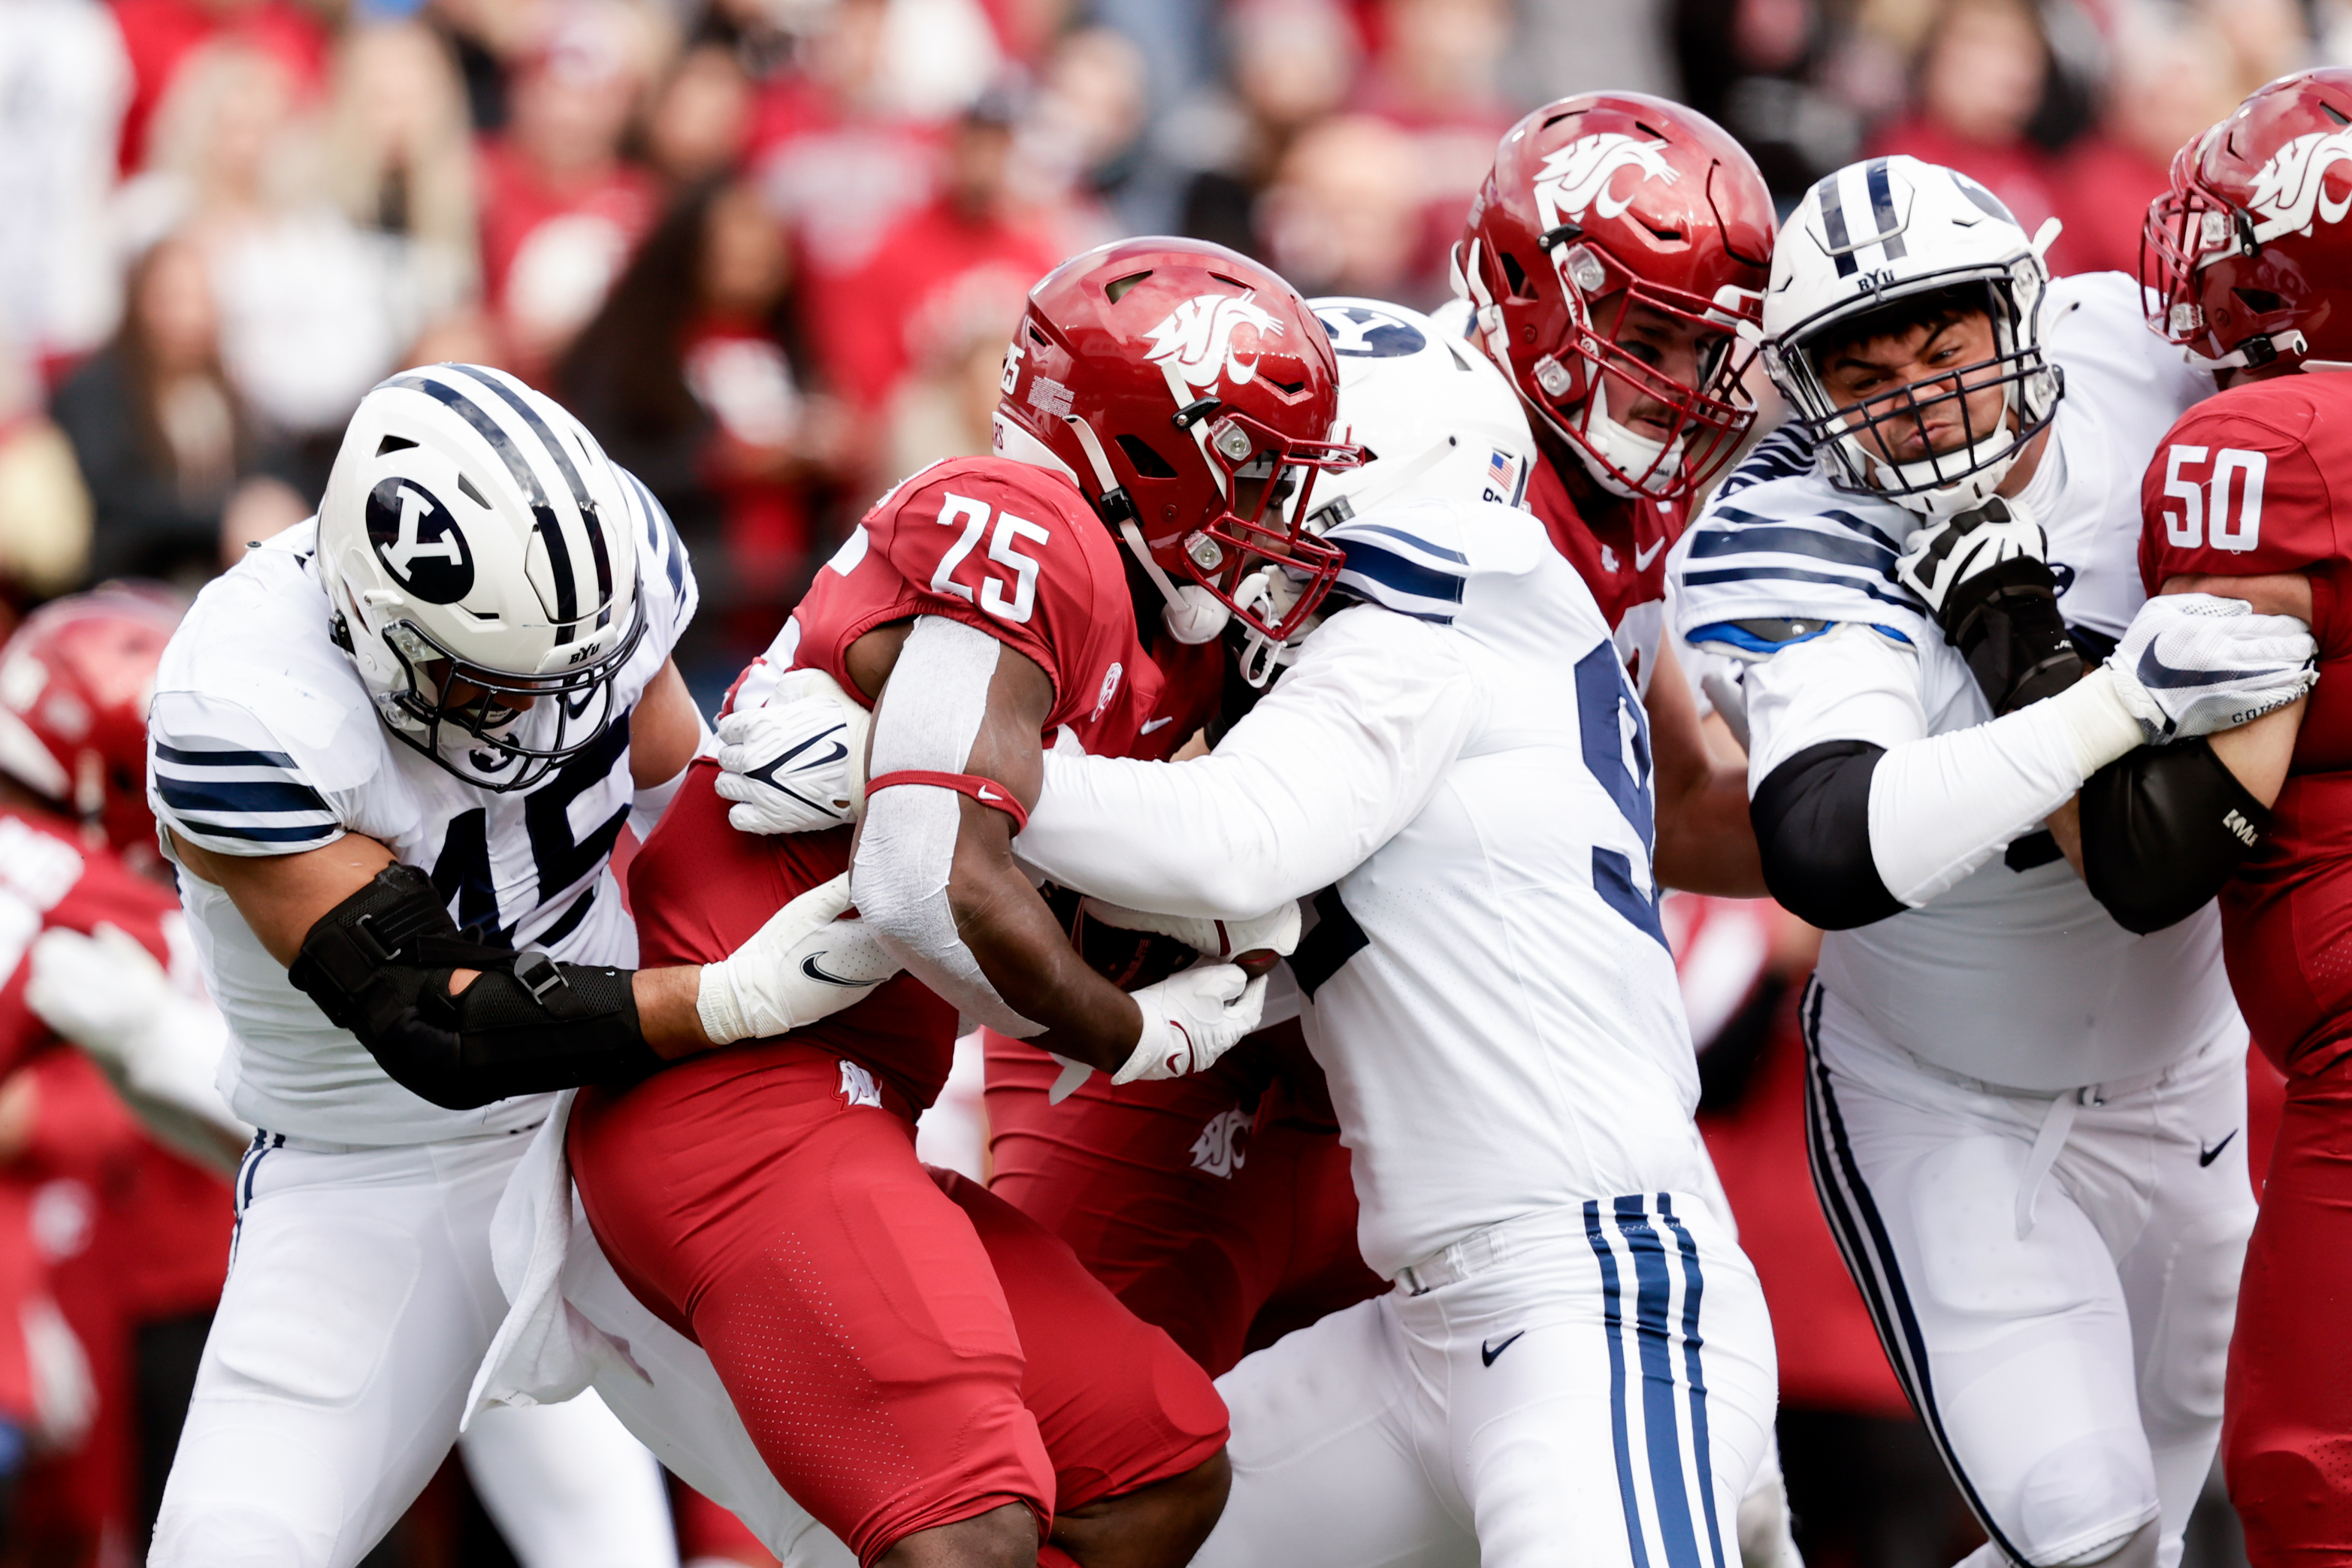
(768, 775)
(1642, 558)
(2206, 1156)
(1159, 724)
(986, 794)
(809, 967)
(1487, 1353)
(2155, 672)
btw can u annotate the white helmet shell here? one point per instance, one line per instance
(1875, 233)
(1436, 417)
(472, 528)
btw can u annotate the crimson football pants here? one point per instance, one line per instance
(2287, 1431)
(1225, 1227)
(905, 1350)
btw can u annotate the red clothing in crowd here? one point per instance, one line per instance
(158, 35)
(2104, 188)
(861, 323)
(610, 213)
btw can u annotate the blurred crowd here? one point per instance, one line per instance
(770, 249)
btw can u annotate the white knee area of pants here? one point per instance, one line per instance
(2138, 1550)
(928, 717)
(569, 1487)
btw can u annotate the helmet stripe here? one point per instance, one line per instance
(1834, 224)
(550, 530)
(580, 496)
(1882, 210)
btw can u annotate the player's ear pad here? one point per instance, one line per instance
(1128, 959)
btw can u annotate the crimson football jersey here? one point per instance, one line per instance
(1622, 558)
(2244, 486)
(1005, 547)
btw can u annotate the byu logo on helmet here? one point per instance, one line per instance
(2290, 192)
(1362, 332)
(1582, 174)
(416, 537)
(1196, 340)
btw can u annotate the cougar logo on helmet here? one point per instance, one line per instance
(2290, 192)
(1580, 174)
(1196, 340)
(416, 537)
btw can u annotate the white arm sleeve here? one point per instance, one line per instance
(1343, 752)
(1940, 806)
(926, 719)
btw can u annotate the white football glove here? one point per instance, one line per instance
(2191, 664)
(1192, 1018)
(107, 994)
(805, 964)
(796, 764)
(1939, 558)
(1212, 938)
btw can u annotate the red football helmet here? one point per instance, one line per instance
(1627, 195)
(74, 682)
(2249, 253)
(1190, 395)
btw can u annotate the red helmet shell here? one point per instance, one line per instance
(2252, 246)
(1160, 371)
(74, 684)
(1627, 194)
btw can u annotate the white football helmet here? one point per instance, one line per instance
(1876, 234)
(481, 554)
(1436, 418)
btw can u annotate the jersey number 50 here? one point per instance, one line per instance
(2189, 527)
(1002, 549)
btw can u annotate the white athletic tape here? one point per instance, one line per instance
(926, 721)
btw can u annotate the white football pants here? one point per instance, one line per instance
(360, 1300)
(1591, 1388)
(2053, 1277)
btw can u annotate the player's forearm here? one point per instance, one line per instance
(666, 1010)
(1029, 962)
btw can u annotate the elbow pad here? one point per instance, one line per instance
(379, 964)
(2162, 830)
(1812, 816)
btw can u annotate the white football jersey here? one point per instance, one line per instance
(2016, 976)
(262, 740)
(1460, 765)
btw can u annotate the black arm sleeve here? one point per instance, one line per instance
(2162, 830)
(1813, 825)
(379, 964)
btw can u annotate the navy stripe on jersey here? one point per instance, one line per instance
(1870, 1257)
(238, 795)
(1400, 571)
(1764, 534)
(1612, 1319)
(1783, 455)
(222, 759)
(1415, 540)
(1791, 574)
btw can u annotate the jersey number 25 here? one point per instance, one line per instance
(1002, 549)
